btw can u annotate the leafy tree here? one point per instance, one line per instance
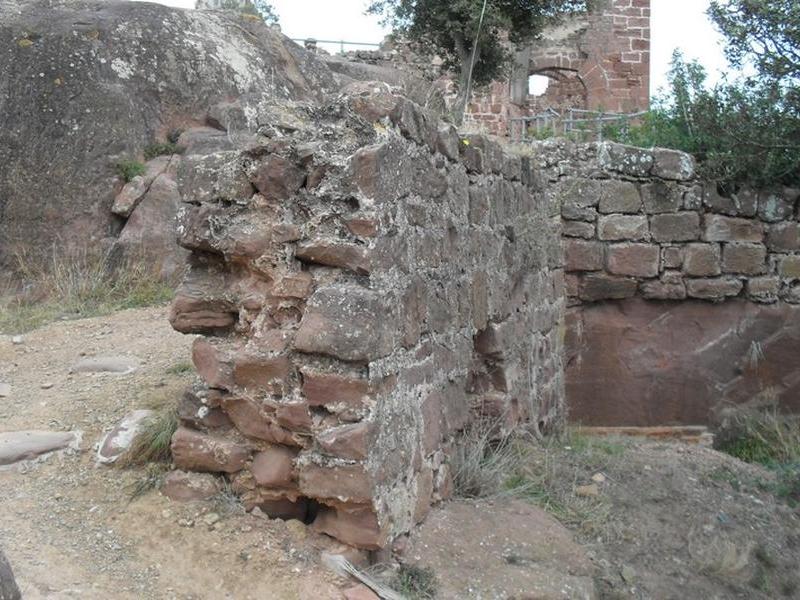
(764, 32)
(266, 11)
(746, 130)
(449, 28)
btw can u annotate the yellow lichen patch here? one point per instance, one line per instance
(93, 34)
(24, 43)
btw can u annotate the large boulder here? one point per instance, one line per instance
(88, 83)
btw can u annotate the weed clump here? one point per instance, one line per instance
(161, 149)
(152, 444)
(415, 583)
(128, 169)
(77, 283)
(766, 437)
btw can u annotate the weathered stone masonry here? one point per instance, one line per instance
(365, 282)
(683, 298)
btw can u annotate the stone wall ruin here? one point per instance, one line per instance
(596, 61)
(684, 296)
(365, 283)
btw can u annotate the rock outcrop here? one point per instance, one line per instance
(89, 83)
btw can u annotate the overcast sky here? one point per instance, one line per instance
(675, 24)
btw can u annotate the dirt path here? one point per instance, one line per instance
(69, 527)
(668, 520)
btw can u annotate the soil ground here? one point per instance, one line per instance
(668, 521)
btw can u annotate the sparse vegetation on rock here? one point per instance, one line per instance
(128, 169)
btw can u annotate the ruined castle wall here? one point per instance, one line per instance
(597, 61)
(364, 287)
(683, 297)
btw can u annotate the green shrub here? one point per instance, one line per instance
(128, 169)
(742, 132)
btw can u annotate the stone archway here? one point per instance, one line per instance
(566, 89)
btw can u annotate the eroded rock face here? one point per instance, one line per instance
(345, 277)
(643, 363)
(88, 83)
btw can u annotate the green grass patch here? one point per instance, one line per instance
(765, 436)
(128, 169)
(180, 369)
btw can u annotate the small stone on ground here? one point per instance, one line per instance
(16, 446)
(122, 365)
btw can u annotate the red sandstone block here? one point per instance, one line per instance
(212, 364)
(252, 418)
(334, 253)
(195, 451)
(355, 525)
(274, 467)
(701, 260)
(713, 289)
(344, 483)
(719, 228)
(583, 255)
(347, 441)
(637, 260)
(260, 372)
(745, 259)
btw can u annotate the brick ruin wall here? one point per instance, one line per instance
(597, 61)
(364, 283)
(683, 298)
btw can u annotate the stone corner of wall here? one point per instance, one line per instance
(359, 287)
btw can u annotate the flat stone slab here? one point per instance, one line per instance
(117, 441)
(16, 446)
(120, 365)
(500, 549)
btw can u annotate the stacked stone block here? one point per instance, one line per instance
(365, 282)
(640, 223)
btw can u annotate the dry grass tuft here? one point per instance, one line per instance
(415, 583)
(487, 464)
(760, 435)
(152, 444)
(76, 283)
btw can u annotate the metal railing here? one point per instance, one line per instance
(312, 43)
(586, 125)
